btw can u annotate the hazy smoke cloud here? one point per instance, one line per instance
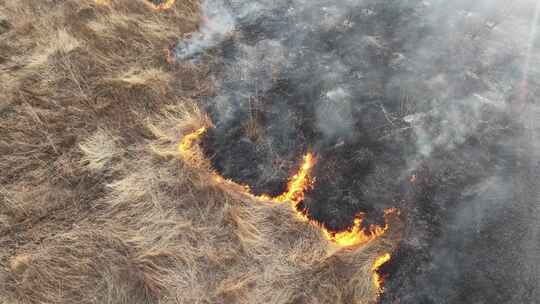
(334, 115)
(455, 122)
(217, 24)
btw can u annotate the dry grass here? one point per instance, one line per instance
(96, 203)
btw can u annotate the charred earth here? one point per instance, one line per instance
(417, 105)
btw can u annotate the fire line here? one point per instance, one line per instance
(188, 140)
(297, 186)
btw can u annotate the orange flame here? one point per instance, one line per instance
(378, 280)
(297, 186)
(357, 234)
(300, 182)
(188, 140)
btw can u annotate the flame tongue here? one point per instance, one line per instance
(164, 5)
(357, 234)
(299, 183)
(378, 280)
(189, 140)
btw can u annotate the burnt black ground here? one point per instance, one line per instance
(388, 91)
(485, 249)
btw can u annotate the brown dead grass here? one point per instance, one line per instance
(97, 205)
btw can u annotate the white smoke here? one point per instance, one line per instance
(217, 23)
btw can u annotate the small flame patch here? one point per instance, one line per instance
(298, 185)
(357, 234)
(188, 140)
(378, 280)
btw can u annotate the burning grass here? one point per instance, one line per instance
(97, 205)
(298, 185)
